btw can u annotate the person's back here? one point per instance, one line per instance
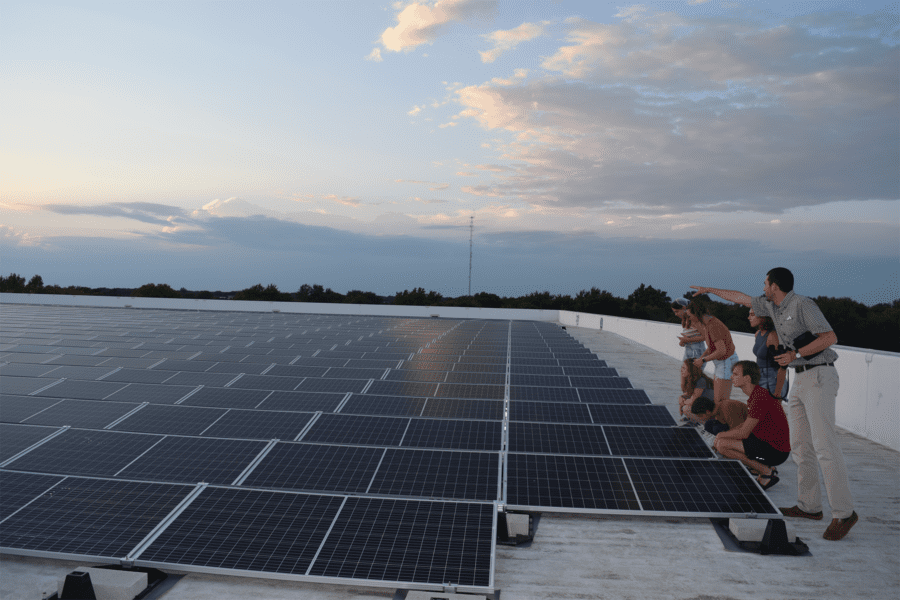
(732, 413)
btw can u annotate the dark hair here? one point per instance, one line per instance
(699, 306)
(748, 367)
(765, 324)
(695, 374)
(703, 405)
(781, 277)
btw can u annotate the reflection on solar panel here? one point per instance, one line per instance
(334, 448)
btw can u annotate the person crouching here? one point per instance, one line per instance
(762, 442)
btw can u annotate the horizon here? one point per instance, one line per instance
(214, 146)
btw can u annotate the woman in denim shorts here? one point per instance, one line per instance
(690, 339)
(721, 346)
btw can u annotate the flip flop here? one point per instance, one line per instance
(773, 479)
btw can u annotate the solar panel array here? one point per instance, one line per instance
(326, 448)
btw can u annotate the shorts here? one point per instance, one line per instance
(762, 452)
(723, 367)
(695, 350)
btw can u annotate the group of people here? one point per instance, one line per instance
(791, 332)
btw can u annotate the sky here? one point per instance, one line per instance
(217, 145)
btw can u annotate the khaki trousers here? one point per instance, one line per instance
(814, 442)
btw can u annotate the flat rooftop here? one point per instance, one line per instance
(579, 556)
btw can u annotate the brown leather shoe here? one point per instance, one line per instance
(794, 511)
(840, 527)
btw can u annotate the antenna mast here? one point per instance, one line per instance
(471, 229)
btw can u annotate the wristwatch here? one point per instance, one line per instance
(797, 355)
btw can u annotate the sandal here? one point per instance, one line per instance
(772, 477)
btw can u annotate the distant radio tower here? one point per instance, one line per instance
(471, 230)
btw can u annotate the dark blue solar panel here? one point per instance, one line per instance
(175, 420)
(302, 401)
(455, 408)
(14, 409)
(15, 438)
(456, 435)
(192, 460)
(365, 404)
(246, 530)
(259, 424)
(89, 414)
(459, 390)
(338, 386)
(704, 486)
(316, 467)
(627, 396)
(413, 541)
(154, 394)
(554, 438)
(402, 388)
(267, 382)
(600, 382)
(630, 414)
(438, 474)
(588, 482)
(660, 442)
(549, 412)
(18, 489)
(226, 398)
(543, 394)
(357, 429)
(91, 517)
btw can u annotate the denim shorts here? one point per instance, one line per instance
(694, 350)
(723, 367)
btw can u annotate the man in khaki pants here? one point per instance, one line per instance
(802, 328)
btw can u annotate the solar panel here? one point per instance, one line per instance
(543, 394)
(445, 543)
(83, 390)
(582, 482)
(258, 424)
(175, 420)
(300, 466)
(22, 385)
(18, 489)
(339, 386)
(155, 394)
(554, 438)
(628, 396)
(550, 412)
(246, 530)
(195, 379)
(357, 429)
(225, 398)
(15, 438)
(192, 460)
(456, 435)
(696, 486)
(91, 517)
(366, 404)
(401, 388)
(267, 382)
(302, 401)
(629, 414)
(84, 452)
(13, 409)
(139, 376)
(438, 474)
(600, 382)
(459, 390)
(90, 414)
(455, 408)
(25, 369)
(682, 442)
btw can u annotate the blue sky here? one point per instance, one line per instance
(215, 145)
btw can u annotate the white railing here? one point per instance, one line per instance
(868, 402)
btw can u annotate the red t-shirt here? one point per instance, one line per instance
(773, 426)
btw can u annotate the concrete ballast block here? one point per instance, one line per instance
(417, 595)
(753, 530)
(110, 584)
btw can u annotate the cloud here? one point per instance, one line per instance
(434, 186)
(420, 23)
(345, 200)
(505, 41)
(431, 201)
(12, 236)
(665, 113)
(415, 110)
(374, 55)
(145, 212)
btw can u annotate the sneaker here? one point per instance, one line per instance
(840, 527)
(793, 511)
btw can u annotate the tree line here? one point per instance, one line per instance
(874, 327)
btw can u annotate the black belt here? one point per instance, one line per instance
(808, 367)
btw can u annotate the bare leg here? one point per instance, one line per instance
(721, 390)
(735, 449)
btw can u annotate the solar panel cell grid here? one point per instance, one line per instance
(246, 530)
(585, 482)
(175, 420)
(299, 466)
(18, 489)
(258, 424)
(415, 541)
(91, 517)
(192, 460)
(357, 429)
